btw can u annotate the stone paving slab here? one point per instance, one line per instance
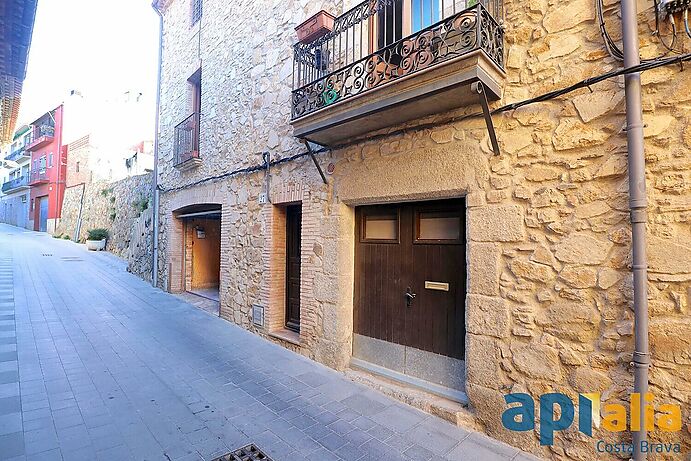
(102, 366)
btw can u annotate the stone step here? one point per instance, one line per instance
(454, 412)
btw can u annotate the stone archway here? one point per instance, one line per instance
(185, 203)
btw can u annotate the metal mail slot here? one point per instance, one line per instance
(439, 286)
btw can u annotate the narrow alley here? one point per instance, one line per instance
(97, 364)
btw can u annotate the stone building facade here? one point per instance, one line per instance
(547, 232)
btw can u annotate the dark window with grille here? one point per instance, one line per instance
(195, 82)
(196, 11)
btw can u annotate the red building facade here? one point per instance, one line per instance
(48, 170)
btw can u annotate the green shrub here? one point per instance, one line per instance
(66, 237)
(57, 236)
(97, 234)
(105, 192)
(113, 215)
(141, 204)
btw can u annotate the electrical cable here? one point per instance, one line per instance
(674, 34)
(612, 47)
(586, 83)
(249, 169)
(670, 48)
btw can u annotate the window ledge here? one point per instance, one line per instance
(189, 164)
(287, 335)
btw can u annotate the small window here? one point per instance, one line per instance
(196, 11)
(424, 13)
(442, 226)
(50, 160)
(76, 167)
(382, 227)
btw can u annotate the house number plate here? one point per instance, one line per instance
(439, 286)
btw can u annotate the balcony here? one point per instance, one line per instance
(41, 136)
(37, 177)
(18, 154)
(340, 94)
(16, 184)
(186, 149)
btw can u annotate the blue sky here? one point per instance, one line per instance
(101, 48)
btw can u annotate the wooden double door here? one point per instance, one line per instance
(410, 275)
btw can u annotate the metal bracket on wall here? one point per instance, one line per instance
(266, 196)
(314, 159)
(479, 88)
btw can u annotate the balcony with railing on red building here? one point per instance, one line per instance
(42, 133)
(39, 176)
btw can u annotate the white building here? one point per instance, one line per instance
(16, 163)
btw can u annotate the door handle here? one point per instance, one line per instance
(409, 296)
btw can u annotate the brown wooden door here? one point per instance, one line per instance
(419, 249)
(293, 230)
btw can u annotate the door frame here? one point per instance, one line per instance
(37, 214)
(448, 378)
(293, 240)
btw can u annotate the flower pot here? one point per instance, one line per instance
(318, 25)
(96, 245)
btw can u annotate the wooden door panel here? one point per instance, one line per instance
(438, 311)
(435, 320)
(380, 266)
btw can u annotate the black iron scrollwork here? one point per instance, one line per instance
(469, 30)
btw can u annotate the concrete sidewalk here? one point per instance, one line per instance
(97, 364)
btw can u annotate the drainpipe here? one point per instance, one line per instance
(78, 229)
(637, 205)
(154, 263)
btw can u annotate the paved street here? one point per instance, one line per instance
(96, 364)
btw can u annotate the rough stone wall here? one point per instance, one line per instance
(549, 252)
(139, 253)
(114, 206)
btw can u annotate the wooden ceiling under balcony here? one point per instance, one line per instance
(16, 29)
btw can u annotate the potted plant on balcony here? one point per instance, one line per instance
(96, 239)
(320, 24)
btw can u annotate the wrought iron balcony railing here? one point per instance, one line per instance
(16, 183)
(41, 135)
(38, 176)
(350, 61)
(17, 154)
(187, 140)
(43, 130)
